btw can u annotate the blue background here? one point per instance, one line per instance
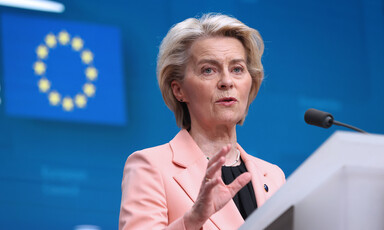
(323, 54)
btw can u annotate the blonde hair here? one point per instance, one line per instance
(174, 55)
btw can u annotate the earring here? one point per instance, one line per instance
(181, 100)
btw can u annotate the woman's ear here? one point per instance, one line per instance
(177, 90)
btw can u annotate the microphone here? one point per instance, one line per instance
(325, 120)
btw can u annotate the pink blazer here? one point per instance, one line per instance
(160, 185)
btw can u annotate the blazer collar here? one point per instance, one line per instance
(188, 155)
(185, 150)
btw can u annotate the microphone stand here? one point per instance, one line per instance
(349, 126)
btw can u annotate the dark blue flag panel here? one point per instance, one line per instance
(62, 70)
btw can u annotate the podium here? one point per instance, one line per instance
(340, 186)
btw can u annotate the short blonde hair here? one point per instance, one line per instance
(174, 55)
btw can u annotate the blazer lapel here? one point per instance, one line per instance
(258, 180)
(187, 154)
(191, 177)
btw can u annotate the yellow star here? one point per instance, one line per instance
(89, 89)
(87, 56)
(91, 73)
(54, 98)
(42, 51)
(39, 67)
(80, 100)
(50, 40)
(44, 85)
(77, 43)
(67, 104)
(64, 37)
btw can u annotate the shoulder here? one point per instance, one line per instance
(155, 156)
(145, 169)
(268, 169)
(262, 163)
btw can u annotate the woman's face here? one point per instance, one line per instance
(217, 83)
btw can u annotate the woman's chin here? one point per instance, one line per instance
(227, 120)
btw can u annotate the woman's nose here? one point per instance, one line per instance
(226, 81)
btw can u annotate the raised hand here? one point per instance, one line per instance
(214, 194)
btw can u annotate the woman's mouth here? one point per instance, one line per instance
(226, 101)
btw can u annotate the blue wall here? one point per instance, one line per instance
(323, 54)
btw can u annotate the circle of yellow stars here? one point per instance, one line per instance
(55, 98)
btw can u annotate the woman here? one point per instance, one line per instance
(209, 71)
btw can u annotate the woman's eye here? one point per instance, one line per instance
(207, 70)
(238, 69)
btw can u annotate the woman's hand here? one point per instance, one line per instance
(213, 194)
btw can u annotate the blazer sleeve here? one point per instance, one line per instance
(143, 201)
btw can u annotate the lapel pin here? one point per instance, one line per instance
(266, 187)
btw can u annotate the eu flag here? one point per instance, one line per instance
(62, 70)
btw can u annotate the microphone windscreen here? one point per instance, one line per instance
(318, 118)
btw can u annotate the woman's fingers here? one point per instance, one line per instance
(214, 194)
(239, 182)
(209, 185)
(214, 168)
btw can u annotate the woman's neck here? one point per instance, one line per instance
(212, 140)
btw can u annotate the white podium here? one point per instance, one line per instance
(340, 186)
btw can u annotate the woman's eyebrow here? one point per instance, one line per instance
(210, 61)
(237, 60)
(215, 62)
